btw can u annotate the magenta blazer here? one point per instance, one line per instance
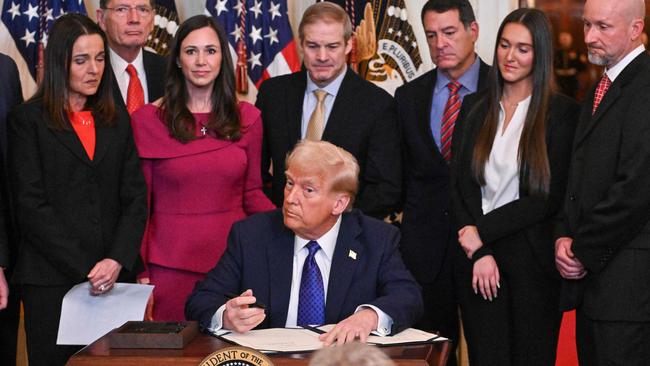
(197, 190)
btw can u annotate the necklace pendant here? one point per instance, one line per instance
(204, 130)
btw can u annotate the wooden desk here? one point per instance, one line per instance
(99, 354)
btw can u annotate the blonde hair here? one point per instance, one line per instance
(337, 166)
(351, 354)
(327, 12)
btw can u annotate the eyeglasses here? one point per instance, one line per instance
(122, 10)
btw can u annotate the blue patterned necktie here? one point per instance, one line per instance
(311, 301)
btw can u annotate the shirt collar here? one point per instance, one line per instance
(614, 71)
(327, 242)
(119, 64)
(332, 88)
(469, 80)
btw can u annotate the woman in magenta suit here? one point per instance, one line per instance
(200, 152)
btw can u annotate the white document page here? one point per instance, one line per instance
(277, 339)
(407, 336)
(85, 317)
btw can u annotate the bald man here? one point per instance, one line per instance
(603, 245)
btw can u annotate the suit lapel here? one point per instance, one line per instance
(615, 90)
(71, 141)
(154, 75)
(343, 103)
(295, 97)
(343, 266)
(424, 103)
(280, 262)
(103, 139)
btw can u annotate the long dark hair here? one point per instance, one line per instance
(56, 81)
(532, 156)
(224, 121)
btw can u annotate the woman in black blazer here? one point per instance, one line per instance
(78, 189)
(511, 152)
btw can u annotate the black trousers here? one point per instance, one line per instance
(521, 325)
(612, 343)
(9, 320)
(441, 306)
(42, 313)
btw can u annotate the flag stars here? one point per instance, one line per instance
(14, 10)
(391, 30)
(220, 7)
(48, 14)
(398, 34)
(274, 9)
(272, 36)
(256, 34)
(236, 33)
(255, 60)
(238, 7)
(257, 8)
(29, 37)
(32, 12)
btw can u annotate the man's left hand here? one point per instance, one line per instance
(357, 326)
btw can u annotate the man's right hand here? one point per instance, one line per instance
(239, 317)
(566, 263)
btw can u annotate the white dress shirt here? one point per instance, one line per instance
(309, 101)
(323, 258)
(119, 70)
(502, 168)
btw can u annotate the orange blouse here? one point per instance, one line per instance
(84, 125)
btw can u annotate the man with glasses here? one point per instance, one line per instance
(139, 74)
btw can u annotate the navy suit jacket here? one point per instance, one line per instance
(260, 257)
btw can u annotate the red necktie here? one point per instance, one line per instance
(449, 119)
(603, 85)
(134, 94)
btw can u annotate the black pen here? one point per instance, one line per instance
(256, 304)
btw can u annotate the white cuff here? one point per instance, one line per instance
(384, 321)
(217, 319)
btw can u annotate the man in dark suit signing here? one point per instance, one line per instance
(312, 262)
(603, 249)
(328, 101)
(426, 118)
(139, 74)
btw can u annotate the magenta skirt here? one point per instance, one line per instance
(173, 287)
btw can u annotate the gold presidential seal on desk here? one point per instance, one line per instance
(236, 356)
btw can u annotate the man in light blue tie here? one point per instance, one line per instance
(314, 261)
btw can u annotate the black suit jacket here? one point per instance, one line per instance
(607, 210)
(10, 95)
(426, 225)
(71, 211)
(532, 215)
(260, 257)
(362, 121)
(154, 67)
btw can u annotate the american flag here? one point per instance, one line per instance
(27, 23)
(270, 47)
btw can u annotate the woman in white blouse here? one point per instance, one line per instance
(510, 156)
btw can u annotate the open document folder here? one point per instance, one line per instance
(85, 318)
(306, 339)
